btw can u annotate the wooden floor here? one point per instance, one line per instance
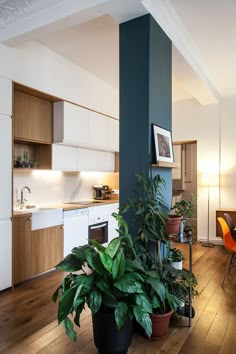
(28, 316)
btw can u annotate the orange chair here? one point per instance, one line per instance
(230, 245)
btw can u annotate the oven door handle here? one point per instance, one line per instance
(98, 227)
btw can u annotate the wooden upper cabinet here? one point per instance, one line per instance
(33, 118)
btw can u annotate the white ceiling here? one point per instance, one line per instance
(86, 32)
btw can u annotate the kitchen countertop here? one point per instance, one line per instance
(65, 206)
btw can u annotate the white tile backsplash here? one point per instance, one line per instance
(56, 187)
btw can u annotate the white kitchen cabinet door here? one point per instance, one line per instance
(5, 254)
(64, 158)
(113, 134)
(5, 96)
(6, 166)
(71, 124)
(106, 161)
(87, 160)
(98, 130)
(112, 223)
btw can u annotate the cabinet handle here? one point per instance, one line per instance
(29, 218)
(62, 227)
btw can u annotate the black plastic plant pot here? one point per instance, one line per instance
(107, 338)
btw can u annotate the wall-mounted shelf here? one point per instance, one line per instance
(166, 164)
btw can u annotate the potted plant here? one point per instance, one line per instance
(176, 258)
(185, 209)
(111, 283)
(147, 203)
(165, 286)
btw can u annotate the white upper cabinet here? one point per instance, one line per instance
(5, 96)
(113, 134)
(98, 130)
(64, 158)
(71, 158)
(77, 126)
(106, 161)
(93, 160)
(6, 163)
(71, 123)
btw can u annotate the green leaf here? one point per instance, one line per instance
(80, 252)
(103, 286)
(98, 245)
(70, 264)
(118, 266)
(133, 265)
(143, 319)
(153, 274)
(56, 293)
(95, 300)
(69, 327)
(85, 280)
(77, 303)
(94, 262)
(143, 302)
(106, 261)
(121, 314)
(79, 309)
(129, 284)
(109, 300)
(113, 247)
(66, 303)
(158, 287)
(155, 302)
(77, 296)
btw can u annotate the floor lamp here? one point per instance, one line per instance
(208, 181)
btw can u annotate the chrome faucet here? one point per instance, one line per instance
(22, 200)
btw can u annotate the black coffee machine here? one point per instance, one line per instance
(101, 191)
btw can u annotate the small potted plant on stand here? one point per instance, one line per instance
(176, 258)
(185, 209)
(111, 283)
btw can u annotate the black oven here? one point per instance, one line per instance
(99, 232)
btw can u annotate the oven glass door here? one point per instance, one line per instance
(99, 232)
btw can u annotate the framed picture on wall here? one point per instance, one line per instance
(163, 144)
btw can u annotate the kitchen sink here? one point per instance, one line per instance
(46, 217)
(32, 209)
(85, 202)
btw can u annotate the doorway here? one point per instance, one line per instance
(184, 178)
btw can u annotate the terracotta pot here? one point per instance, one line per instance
(172, 227)
(160, 324)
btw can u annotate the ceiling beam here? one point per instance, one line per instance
(56, 15)
(167, 18)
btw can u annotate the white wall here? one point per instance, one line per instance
(228, 152)
(36, 66)
(191, 121)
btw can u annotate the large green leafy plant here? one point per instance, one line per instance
(111, 280)
(147, 203)
(166, 287)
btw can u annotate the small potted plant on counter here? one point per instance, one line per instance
(112, 285)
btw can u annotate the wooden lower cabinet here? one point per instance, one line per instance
(47, 248)
(35, 252)
(21, 249)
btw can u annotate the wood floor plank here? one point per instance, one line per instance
(218, 329)
(28, 317)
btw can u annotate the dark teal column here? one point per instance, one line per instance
(145, 98)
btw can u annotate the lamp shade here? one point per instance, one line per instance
(209, 180)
